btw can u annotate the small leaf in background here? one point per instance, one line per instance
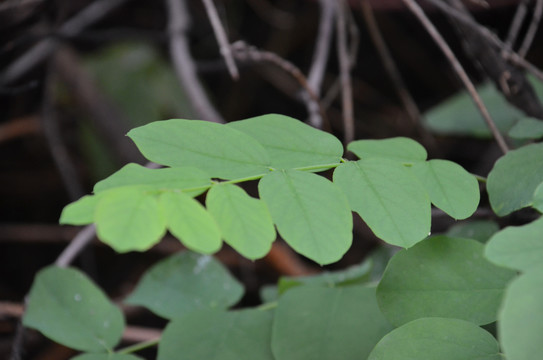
(67, 307)
(514, 178)
(128, 219)
(437, 338)
(245, 222)
(480, 230)
(189, 221)
(80, 212)
(442, 277)
(520, 322)
(193, 181)
(400, 149)
(527, 128)
(459, 116)
(219, 150)
(388, 198)
(356, 274)
(450, 187)
(517, 247)
(112, 356)
(186, 282)
(311, 213)
(218, 335)
(327, 323)
(291, 143)
(537, 202)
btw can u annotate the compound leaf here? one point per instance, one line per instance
(291, 143)
(327, 323)
(67, 307)
(437, 338)
(189, 221)
(221, 151)
(442, 277)
(310, 212)
(245, 222)
(388, 198)
(186, 282)
(218, 335)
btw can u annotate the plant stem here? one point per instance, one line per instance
(138, 346)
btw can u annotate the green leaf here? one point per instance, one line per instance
(128, 219)
(480, 230)
(186, 282)
(327, 323)
(310, 212)
(192, 181)
(67, 307)
(400, 149)
(459, 116)
(515, 176)
(437, 338)
(353, 275)
(221, 151)
(291, 143)
(111, 356)
(80, 212)
(517, 247)
(450, 187)
(520, 322)
(218, 335)
(189, 221)
(538, 198)
(388, 198)
(442, 277)
(245, 222)
(527, 128)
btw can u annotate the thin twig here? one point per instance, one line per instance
(244, 52)
(514, 29)
(320, 58)
(345, 68)
(530, 33)
(222, 39)
(419, 13)
(183, 62)
(39, 52)
(403, 93)
(79, 242)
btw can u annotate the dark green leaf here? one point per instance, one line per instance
(218, 335)
(512, 182)
(442, 277)
(527, 128)
(221, 151)
(437, 338)
(400, 149)
(66, 306)
(388, 198)
(310, 212)
(291, 143)
(480, 230)
(245, 222)
(327, 323)
(186, 282)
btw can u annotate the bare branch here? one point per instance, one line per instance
(183, 63)
(345, 68)
(419, 13)
(518, 19)
(222, 39)
(530, 33)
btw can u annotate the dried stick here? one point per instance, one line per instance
(530, 33)
(183, 63)
(403, 93)
(419, 13)
(244, 52)
(518, 19)
(222, 39)
(345, 68)
(79, 242)
(39, 52)
(320, 58)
